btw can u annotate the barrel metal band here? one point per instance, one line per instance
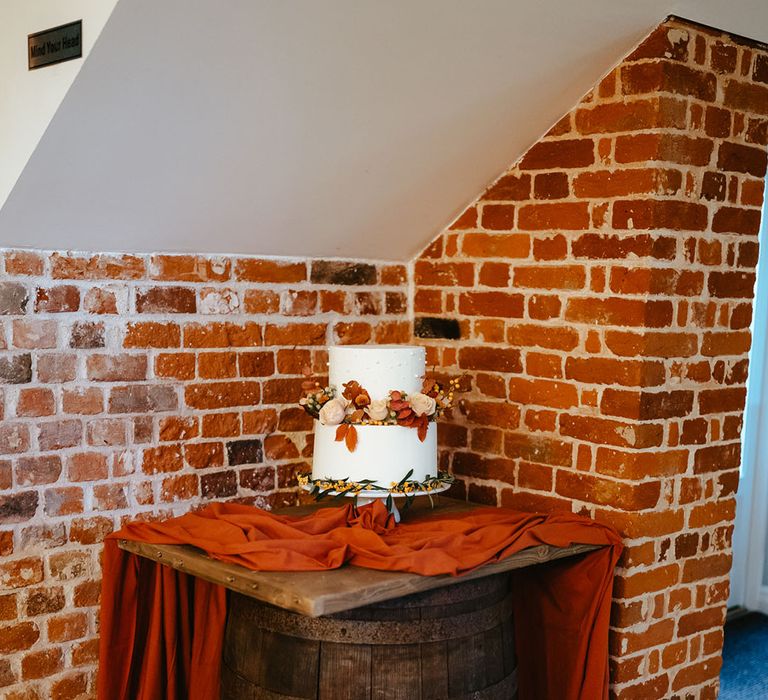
(377, 632)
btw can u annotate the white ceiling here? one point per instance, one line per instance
(350, 128)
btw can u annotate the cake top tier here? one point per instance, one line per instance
(379, 369)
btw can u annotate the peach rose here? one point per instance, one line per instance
(377, 410)
(422, 404)
(333, 412)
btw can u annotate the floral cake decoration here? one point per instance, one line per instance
(354, 406)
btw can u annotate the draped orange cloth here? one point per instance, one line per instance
(162, 631)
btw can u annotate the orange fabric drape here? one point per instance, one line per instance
(162, 631)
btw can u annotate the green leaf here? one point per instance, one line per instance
(389, 503)
(408, 501)
(406, 477)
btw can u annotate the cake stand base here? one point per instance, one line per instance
(366, 497)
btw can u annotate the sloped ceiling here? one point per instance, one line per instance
(349, 128)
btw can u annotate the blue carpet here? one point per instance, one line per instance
(745, 659)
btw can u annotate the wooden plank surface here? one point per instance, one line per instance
(316, 593)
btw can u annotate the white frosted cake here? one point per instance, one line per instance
(384, 451)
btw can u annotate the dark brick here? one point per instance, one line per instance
(722, 400)
(339, 272)
(430, 327)
(396, 303)
(736, 157)
(736, 220)
(244, 452)
(686, 545)
(498, 217)
(482, 467)
(731, 285)
(510, 187)
(760, 73)
(142, 428)
(660, 44)
(748, 97)
(174, 300)
(550, 186)
(748, 252)
(262, 479)
(717, 458)
(16, 369)
(713, 186)
(256, 364)
(668, 77)
(671, 147)
(13, 298)
(18, 507)
(757, 131)
(573, 153)
(659, 214)
(87, 335)
(605, 247)
(717, 122)
(646, 405)
(219, 485)
(724, 57)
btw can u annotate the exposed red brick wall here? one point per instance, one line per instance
(601, 293)
(142, 386)
(598, 296)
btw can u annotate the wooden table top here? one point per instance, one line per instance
(315, 593)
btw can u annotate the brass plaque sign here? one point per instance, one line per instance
(55, 45)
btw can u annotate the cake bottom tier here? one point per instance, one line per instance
(384, 453)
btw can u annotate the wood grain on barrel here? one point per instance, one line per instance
(434, 671)
(339, 657)
(350, 668)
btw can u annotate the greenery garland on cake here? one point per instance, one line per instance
(354, 406)
(339, 488)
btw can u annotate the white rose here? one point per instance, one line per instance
(377, 410)
(422, 404)
(333, 412)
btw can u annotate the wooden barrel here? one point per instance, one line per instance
(450, 643)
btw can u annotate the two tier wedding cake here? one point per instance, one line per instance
(375, 426)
